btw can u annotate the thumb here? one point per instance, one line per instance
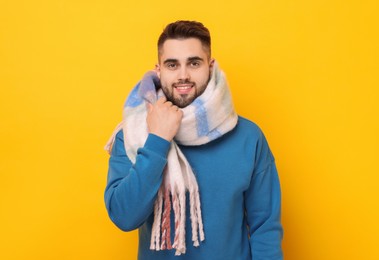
(149, 107)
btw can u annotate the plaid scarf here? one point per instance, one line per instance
(208, 117)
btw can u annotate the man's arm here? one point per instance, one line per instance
(263, 205)
(132, 188)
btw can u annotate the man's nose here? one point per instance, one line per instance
(183, 73)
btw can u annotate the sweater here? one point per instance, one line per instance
(239, 188)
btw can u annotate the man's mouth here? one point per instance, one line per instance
(183, 88)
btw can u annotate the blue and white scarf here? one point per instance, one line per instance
(207, 118)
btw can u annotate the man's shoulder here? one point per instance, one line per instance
(254, 135)
(248, 126)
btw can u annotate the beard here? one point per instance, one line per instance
(183, 100)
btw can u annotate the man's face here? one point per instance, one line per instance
(184, 70)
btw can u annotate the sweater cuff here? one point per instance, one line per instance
(157, 144)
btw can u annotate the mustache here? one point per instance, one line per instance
(183, 82)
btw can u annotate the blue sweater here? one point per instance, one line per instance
(239, 192)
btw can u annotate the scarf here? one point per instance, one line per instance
(207, 118)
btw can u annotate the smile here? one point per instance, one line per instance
(183, 88)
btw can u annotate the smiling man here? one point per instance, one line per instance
(196, 179)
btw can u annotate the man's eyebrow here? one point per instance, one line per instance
(195, 58)
(170, 60)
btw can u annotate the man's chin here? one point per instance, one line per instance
(183, 101)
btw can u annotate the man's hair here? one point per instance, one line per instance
(185, 30)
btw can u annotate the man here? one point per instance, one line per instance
(185, 170)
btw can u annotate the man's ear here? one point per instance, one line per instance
(158, 70)
(211, 63)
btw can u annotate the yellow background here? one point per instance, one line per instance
(305, 71)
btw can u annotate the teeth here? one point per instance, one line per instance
(183, 88)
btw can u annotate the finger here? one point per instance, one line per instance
(149, 107)
(161, 100)
(180, 112)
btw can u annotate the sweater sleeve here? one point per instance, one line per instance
(263, 206)
(132, 188)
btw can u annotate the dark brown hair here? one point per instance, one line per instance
(185, 30)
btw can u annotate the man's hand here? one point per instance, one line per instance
(163, 119)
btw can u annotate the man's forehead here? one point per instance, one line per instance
(182, 49)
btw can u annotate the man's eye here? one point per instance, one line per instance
(171, 65)
(195, 64)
